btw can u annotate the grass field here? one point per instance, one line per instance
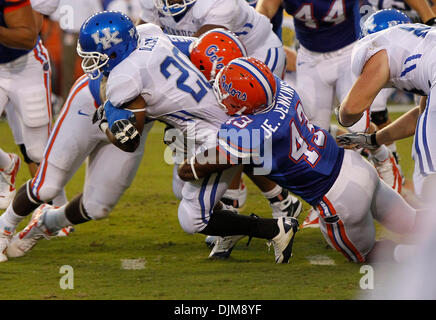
(144, 226)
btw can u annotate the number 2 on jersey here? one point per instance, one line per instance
(184, 69)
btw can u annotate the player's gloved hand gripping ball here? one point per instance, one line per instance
(119, 121)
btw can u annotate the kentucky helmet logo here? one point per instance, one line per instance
(109, 38)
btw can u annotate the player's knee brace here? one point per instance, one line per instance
(379, 117)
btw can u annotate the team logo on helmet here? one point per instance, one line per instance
(228, 87)
(109, 38)
(211, 53)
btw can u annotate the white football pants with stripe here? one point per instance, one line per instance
(74, 138)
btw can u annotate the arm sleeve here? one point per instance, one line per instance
(122, 88)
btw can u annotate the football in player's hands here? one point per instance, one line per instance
(126, 134)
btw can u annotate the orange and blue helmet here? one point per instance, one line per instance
(245, 86)
(214, 49)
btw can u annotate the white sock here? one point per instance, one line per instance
(381, 154)
(55, 219)
(232, 194)
(9, 220)
(5, 160)
(274, 192)
(403, 252)
(60, 199)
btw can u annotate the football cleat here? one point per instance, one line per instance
(284, 241)
(389, 172)
(5, 239)
(7, 181)
(288, 207)
(36, 230)
(223, 247)
(311, 220)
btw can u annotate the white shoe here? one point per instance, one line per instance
(289, 207)
(36, 230)
(7, 181)
(223, 247)
(284, 241)
(311, 220)
(5, 239)
(389, 172)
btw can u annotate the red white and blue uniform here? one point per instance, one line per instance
(31, 103)
(343, 187)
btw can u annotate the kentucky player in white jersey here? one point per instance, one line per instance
(395, 53)
(74, 139)
(158, 79)
(194, 17)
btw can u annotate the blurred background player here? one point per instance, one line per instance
(23, 60)
(327, 32)
(396, 53)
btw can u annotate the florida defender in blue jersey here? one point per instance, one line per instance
(271, 135)
(327, 31)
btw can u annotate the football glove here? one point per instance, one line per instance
(100, 117)
(125, 133)
(121, 123)
(358, 140)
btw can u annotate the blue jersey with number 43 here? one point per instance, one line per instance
(281, 144)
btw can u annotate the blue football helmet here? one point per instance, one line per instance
(384, 19)
(105, 39)
(173, 7)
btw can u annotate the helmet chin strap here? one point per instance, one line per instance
(240, 111)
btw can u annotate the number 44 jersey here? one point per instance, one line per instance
(174, 90)
(281, 144)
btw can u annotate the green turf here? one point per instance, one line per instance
(144, 225)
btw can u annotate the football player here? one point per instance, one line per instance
(327, 32)
(74, 139)
(24, 60)
(159, 79)
(194, 17)
(343, 186)
(395, 53)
